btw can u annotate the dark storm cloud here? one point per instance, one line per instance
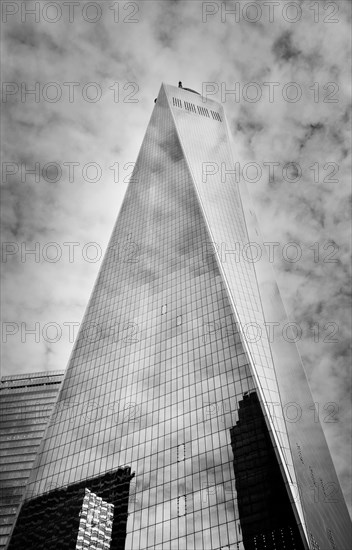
(248, 126)
(284, 49)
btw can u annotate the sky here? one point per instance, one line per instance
(79, 82)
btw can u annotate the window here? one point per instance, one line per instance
(180, 452)
(215, 116)
(176, 102)
(190, 107)
(181, 505)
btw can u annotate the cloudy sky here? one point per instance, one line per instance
(94, 69)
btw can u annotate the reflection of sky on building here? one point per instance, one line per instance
(222, 208)
(159, 393)
(255, 299)
(152, 383)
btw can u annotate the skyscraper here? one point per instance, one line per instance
(26, 401)
(178, 384)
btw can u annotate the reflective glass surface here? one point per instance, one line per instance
(159, 368)
(26, 402)
(255, 298)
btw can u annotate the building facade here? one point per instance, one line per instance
(174, 373)
(26, 401)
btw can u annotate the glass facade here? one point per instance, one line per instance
(266, 517)
(89, 514)
(25, 406)
(163, 363)
(95, 523)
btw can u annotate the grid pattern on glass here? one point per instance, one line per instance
(155, 376)
(159, 366)
(25, 407)
(266, 516)
(95, 523)
(230, 218)
(222, 208)
(52, 520)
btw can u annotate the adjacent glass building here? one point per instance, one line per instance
(26, 401)
(181, 376)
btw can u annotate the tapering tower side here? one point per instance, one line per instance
(163, 369)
